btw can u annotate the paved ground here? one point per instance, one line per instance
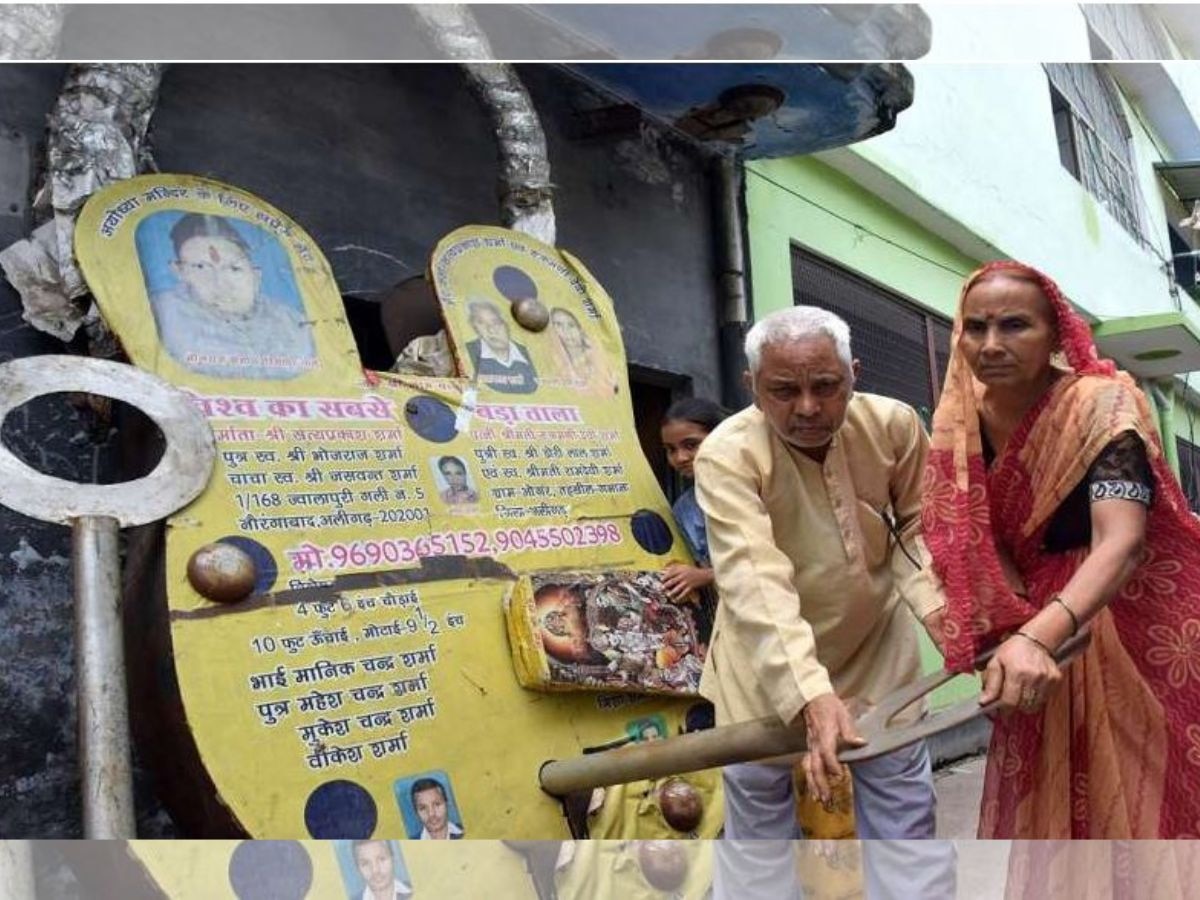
(958, 787)
(982, 870)
(982, 865)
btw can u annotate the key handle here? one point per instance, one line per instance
(882, 737)
(180, 476)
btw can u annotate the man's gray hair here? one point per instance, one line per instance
(476, 306)
(797, 323)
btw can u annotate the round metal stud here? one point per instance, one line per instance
(531, 314)
(222, 573)
(664, 864)
(681, 805)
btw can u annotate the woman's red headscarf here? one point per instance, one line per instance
(955, 517)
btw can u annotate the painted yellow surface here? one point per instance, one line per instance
(205, 870)
(614, 869)
(377, 654)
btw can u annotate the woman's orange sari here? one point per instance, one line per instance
(1115, 752)
(1114, 870)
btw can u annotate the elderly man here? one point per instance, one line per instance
(499, 361)
(812, 499)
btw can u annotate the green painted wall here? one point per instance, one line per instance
(1187, 418)
(805, 202)
(801, 200)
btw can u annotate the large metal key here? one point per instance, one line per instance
(769, 737)
(96, 513)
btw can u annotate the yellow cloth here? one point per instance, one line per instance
(631, 811)
(808, 573)
(613, 869)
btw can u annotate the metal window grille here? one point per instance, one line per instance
(904, 351)
(1093, 140)
(1129, 31)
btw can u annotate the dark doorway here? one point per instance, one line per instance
(652, 391)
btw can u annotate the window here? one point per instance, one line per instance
(1093, 140)
(1184, 263)
(1125, 31)
(651, 392)
(904, 350)
(1064, 130)
(1189, 472)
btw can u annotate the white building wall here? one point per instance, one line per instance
(964, 32)
(979, 146)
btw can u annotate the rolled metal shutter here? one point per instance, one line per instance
(894, 340)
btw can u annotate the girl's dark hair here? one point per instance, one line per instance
(697, 410)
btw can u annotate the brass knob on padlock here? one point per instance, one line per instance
(664, 864)
(531, 314)
(681, 805)
(222, 572)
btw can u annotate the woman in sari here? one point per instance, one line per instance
(1049, 507)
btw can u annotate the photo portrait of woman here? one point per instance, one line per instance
(224, 297)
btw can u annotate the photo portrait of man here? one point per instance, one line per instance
(377, 867)
(499, 361)
(430, 801)
(207, 291)
(428, 807)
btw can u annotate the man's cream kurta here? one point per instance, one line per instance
(808, 573)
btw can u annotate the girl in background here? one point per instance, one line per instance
(685, 426)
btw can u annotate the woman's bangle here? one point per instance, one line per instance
(1070, 612)
(1030, 637)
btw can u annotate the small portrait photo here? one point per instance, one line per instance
(649, 728)
(224, 296)
(373, 870)
(500, 362)
(427, 804)
(579, 362)
(454, 483)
